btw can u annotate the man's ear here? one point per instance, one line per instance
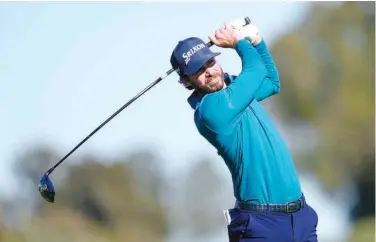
(184, 80)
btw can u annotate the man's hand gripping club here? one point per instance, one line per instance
(225, 37)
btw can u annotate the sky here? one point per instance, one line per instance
(66, 67)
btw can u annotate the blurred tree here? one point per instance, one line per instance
(115, 196)
(30, 163)
(97, 200)
(364, 231)
(2, 229)
(205, 197)
(326, 68)
(146, 167)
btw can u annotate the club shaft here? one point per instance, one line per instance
(110, 118)
(209, 44)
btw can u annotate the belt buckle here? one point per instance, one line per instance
(288, 207)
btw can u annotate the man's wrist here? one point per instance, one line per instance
(240, 43)
(260, 44)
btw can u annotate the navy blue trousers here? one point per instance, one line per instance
(249, 226)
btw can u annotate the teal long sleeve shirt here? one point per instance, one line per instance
(235, 123)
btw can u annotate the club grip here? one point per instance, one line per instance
(247, 21)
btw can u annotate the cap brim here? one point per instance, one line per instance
(200, 62)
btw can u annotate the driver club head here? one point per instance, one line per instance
(46, 188)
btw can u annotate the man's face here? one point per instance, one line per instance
(209, 78)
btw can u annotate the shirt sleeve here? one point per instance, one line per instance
(220, 110)
(271, 84)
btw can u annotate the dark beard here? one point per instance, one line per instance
(204, 91)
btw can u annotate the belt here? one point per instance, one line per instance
(290, 207)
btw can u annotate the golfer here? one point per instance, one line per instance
(270, 205)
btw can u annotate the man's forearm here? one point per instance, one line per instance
(251, 77)
(262, 49)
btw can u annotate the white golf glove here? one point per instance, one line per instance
(251, 32)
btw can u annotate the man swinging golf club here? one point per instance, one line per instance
(270, 205)
(46, 187)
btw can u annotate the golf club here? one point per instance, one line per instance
(46, 187)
